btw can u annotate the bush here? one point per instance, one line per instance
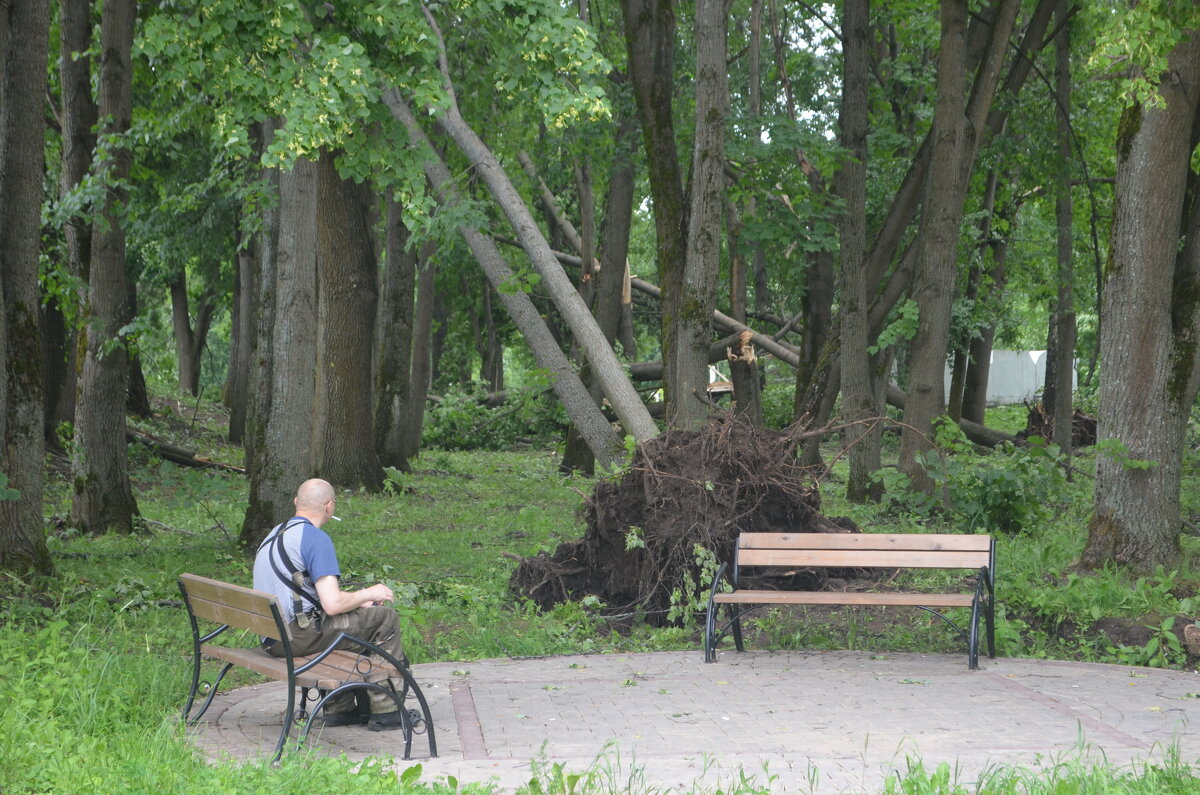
(1008, 491)
(462, 419)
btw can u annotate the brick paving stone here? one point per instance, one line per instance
(792, 720)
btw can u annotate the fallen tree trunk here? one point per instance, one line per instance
(979, 434)
(177, 455)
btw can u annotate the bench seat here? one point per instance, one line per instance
(335, 670)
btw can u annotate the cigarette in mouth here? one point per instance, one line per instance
(335, 518)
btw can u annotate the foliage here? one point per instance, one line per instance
(462, 420)
(1009, 490)
(1137, 39)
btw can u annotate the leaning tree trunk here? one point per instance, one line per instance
(102, 497)
(604, 363)
(343, 435)
(283, 457)
(584, 413)
(23, 69)
(1152, 284)
(394, 341)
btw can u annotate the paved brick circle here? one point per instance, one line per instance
(805, 721)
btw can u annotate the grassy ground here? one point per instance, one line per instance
(92, 664)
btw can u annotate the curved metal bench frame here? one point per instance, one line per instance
(236, 607)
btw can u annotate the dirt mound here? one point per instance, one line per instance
(682, 489)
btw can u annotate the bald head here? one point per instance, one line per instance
(312, 496)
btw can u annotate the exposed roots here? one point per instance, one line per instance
(683, 489)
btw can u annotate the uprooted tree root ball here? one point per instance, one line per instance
(683, 489)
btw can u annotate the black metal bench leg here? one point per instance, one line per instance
(737, 628)
(989, 617)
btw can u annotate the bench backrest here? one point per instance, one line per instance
(235, 605)
(866, 550)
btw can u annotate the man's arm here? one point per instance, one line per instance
(334, 600)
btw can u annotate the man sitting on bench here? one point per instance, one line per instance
(298, 564)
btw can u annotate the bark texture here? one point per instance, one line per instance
(23, 65)
(344, 441)
(1151, 327)
(102, 498)
(858, 395)
(394, 341)
(282, 460)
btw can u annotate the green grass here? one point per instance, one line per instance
(92, 663)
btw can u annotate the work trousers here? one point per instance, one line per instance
(377, 624)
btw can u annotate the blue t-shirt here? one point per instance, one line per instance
(309, 548)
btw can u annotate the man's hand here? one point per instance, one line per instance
(334, 600)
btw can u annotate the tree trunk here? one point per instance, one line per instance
(137, 396)
(102, 498)
(608, 370)
(422, 354)
(566, 382)
(78, 115)
(611, 280)
(189, 340)
(344, 440)
(688, 307)
(957, 131)
(650, 44)
(612, 283)
(1063, 407)
(1152, 284)
(284, 459)
(743, 372)
(24, 52)
(237, 394)
(858, 393)
(394, 342)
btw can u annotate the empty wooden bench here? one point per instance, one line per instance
(329, 673)
(863, 551)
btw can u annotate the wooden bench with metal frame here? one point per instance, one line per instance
(328, 673)
(858, 550)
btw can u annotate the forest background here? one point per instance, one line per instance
(352, 239)
(289, 210)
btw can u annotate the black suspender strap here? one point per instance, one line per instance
(289, 578)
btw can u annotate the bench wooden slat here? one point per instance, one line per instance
(235, 617)
(862, 558)
(335, 670)
(881, 541)
(845, 598)
(235, 605)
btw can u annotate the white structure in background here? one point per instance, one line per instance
(1015, 376)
